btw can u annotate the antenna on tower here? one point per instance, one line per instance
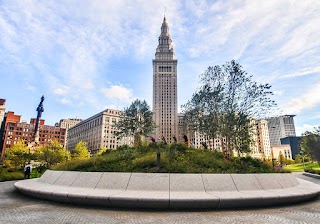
(164, 10)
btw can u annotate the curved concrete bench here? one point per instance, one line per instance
(317, 176)
(169, 191)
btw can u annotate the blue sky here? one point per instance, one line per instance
(86, 56)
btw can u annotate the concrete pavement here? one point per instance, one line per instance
(18, 208)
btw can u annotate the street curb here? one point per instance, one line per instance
(311, 175)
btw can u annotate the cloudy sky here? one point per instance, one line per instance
(86, 56)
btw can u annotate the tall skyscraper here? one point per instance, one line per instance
(2, 109)
(165, 103)
(280, 127)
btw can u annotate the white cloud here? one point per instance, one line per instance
(30, 87)
(68, 47)
(88, 85)
(278, 92)
(64, 90)
(65, 101)
(304, 128)
(110, 106)
(303, 72)
(308, 100)
(118, 92)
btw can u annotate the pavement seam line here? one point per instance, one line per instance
(75, 179)
(58, 177)
(234, 182)
(99, 180)
(128, 182)
(259, 182)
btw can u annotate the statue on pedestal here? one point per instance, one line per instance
(36, 129)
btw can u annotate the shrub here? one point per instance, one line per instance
(176, 158)
(15, 175)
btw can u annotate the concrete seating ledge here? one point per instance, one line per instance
(317, 176)
(169, 191)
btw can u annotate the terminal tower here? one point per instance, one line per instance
(165, 104)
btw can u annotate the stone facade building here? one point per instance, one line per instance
(97, 131)
(260, 147)
(285, 150)
(67, 123)
(165, 96)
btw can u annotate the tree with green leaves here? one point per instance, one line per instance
(18, 154)
(281, 158)
(310, 144)
(52, 153)
(136, 120)
(80, 151)
(103, 150)
(225, 103)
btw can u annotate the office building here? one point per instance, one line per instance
(165, 96)
(263, 139)
(280, 127)
(294, 143)
(285, 150)
(97, 131)
(68, 123)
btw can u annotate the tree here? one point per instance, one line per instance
(136, 120)
(18, 154)
(225, 103)
(80, 151)
(310, 144)
(103, 150)
(281, 158)
(52, 153)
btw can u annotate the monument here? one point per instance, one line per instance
(36, 129)
(35, 138)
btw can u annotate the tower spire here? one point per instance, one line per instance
(165, 42)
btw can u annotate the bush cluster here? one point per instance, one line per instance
(175, 158)
(9, 174)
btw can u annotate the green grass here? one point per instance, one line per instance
(16, 174)
(300, 167)
(174, 159)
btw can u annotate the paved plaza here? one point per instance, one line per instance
(18, 208)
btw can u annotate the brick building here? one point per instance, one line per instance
(12, 130)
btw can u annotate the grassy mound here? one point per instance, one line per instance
(175, 158)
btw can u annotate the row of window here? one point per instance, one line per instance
(165, 69)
